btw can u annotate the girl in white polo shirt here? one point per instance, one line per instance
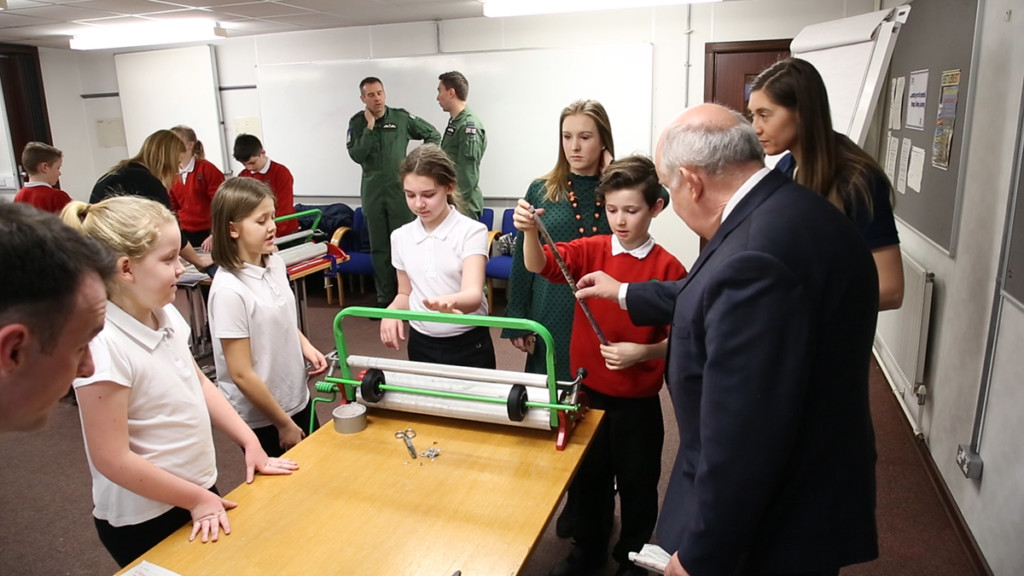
(148, 409)
(258, 349)
(440, 259)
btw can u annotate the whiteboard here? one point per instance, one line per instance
(164, 88)
(518, 95)
(852, 55)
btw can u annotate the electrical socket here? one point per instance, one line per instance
(968, 461)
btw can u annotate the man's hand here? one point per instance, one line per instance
(371, 120)
(598, 285)
(675, 568)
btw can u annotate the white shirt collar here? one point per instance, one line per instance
(187, 169)
(266, 168)
(441, 232)
(743, 191)
(252, 271)
(144, 335)
(640, 252)
(36, 184)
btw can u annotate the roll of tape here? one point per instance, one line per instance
(350, 418)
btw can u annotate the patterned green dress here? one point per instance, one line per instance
(533, 297)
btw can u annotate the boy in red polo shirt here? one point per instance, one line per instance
(249, 152)
(42, 162)
(624, 377)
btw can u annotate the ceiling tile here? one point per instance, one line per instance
(11, 20)
(65, 12)
(123, 6)
(262, 10)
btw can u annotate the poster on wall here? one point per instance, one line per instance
(949, 91)
(917, 97)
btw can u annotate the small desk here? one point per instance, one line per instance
(360, 506)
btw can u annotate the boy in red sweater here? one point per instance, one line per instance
(42, 162)
(249, 152)
(624, 377)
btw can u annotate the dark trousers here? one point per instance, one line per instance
(473, 349)
(270, 440)
(126, 543)
(195, 237)
(624, 454)
(384, 212)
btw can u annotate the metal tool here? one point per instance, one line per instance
(408, 434)
(568, 276)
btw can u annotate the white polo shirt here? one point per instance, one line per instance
(433, 262)
(168, 421)
(257, 303)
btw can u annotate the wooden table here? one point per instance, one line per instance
(360, 505)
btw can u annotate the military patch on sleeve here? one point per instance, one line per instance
(348, 140)
(471, 129)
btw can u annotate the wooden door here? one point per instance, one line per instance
(730, 68)
(22, 83)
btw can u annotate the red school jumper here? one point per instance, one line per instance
(280, 181)
(43, 197)
(594, 253)
(191, 199)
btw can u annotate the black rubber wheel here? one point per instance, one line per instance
(516, 404)
(370, 388)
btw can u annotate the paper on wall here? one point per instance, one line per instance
(896, 103)
(915, 169)
(917, 98)
(901, 177)
(891, 153)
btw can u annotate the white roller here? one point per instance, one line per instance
(445, 370)
(302, 252)
(538, 418)
(300, 235)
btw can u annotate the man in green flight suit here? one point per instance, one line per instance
(464, 140)
(378, 137)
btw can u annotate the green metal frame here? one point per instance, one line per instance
(312, 211)
(330, 385)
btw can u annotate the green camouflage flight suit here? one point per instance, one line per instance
(379, 152)
(465, 142)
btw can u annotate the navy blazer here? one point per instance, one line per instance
(768, 371)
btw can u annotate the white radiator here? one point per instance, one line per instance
(902, 335)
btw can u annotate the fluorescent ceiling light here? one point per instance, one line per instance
(500, 8)
(147, 34)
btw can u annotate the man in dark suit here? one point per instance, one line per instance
(767, 364)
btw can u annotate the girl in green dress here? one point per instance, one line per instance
(571, 210)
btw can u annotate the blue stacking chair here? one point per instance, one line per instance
(356, 243)
(499, 267)
(487, 218)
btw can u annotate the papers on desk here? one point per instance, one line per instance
(652, 557)
(192, 278)
(146, 569)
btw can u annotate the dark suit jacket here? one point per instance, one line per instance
(768, 370)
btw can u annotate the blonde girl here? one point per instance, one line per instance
(147, 411)
(150, 174)
(258, 348)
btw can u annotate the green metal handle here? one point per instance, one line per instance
(463, 319)
(315, 212)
